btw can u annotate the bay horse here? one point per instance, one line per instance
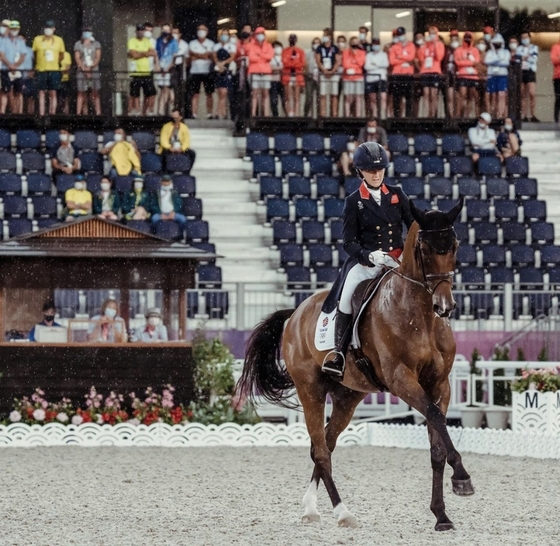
(404, 332)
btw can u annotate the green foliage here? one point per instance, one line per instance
(543, 355)
(502, 389)
(520, 354)
(475, 357)
(543, 380)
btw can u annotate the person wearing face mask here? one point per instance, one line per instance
(87, 55)
(224, 65)
(483, 95)
(123, 154)
(328, 59)
(259, 54)
(13, 52)
(49, 52)
(293, 60)
(401, 59)
(4, 26)
(482, 138)
(276, 88)
(509, 142)
(49, 315)
(467, 60)
(373, 132)
(137, 202)
(142, 57)
(311, 77)
(78, 200)
(449, 69)
(362, 37)
(375, 67)
(346, 160)
(166, 49)
(353, 60)
(166, 204)
(201, 53)
(373, 221)
(107, 327)
(529, 55)
(487, 34)
(430, 55)
(181, 56)
(175, 138)
(497, 60)
(107, 202)
(65, 160)
(153, 331)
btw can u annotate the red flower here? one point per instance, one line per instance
(86, 417)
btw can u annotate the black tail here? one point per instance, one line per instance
(263, 374)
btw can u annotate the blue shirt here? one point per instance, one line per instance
(27, 64)
(166, 51)
(11, 47)
(42, 323)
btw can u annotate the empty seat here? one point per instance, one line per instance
(517, 166)
(554, 275)
(534, 210)
(264, 164)
(192, 303)
(64, 182)
(522, 255)
(185, 184)
(466, 255)
(320, 254)
(497, 188)
(306, 208)
(469, 187)
(291, 254)
(489, 166)
(145, 141)
(477, 210)
(485, 232)
(10, 183)
(525, 188)
(44, 223)
(298, 186)
(292, 164)
(14, 205)
(285, 143)
(19, 226)
(339, 142)
(93, 181)
(298, 277)
(151, 162)
(425, 144)
(28, 139)
(123, 184)
(312, 143)
(192, 207)
(550, 255)
(404, 165)
(320, 164)
(327, 186)
(52, 140)
(514, 233)
(505, 210)
(326, 274)
(38, 183)
(445, 205)
(462, 232)
(5, 139)
(169, 229)
(440, 187)
(432, 164)
(270, 186)
(256, 143)
(351, 184)
(461, 165)
(472, 277)
(152, 181)
(197, 231)
(140, 225)
(32, 160)
(422, 204)
(44, 206)
(208, 247)
(452, 144)
(413, 186)
(209, 276)
(542, 232)
(283, 231)
(178, 163)
(501, 275)
(92, 162)
(530, 278)
(493, 255)
(397, 144)
(86, 141)
(312, 231)
(333, 208)
(277, 208)
(337, 233)
(217, 304)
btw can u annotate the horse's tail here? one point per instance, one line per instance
(263, 373)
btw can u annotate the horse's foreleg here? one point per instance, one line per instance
(438, 454)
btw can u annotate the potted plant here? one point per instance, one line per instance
(497, 415)
(473, 414)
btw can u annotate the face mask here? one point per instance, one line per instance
(138, 186)
(176, 37)
(3, 31)
(14, 33)
(513, 46)
(48, 318)
(481, 47)
(430, 38)
(315, 46)
(278, 50)
(419, 42)
(87, 35)
(201, 34)
(110, 313)
(482, 125)
(165, 189)
(260, 38)
(63, 138)
(165, 34)
(508, 126)
(325, 39)
(105, 186)
(497, 46)
(395, 39)
(487, 37)
(376, 48)
(525, 41)
(224, 38)
(350, 146)
(49, 32)
(454, 44)
(341, 45)
(354, 46)
(362, 36)
(80, 185)
(118, 137)
(154, 321)
(468, 41)
(233, 40)
(148, 34)
(244, 35)
(372, 130)
(402, 38)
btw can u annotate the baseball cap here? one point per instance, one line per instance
(259, 30)
(140, 26)
(401, 31)
(50, 24)
(486, 117)
(166, 178)
(79, 177)
(6, 23)
(153, 312)
(394, 32)
(14, 24)
(487, 30)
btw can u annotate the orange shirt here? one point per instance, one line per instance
(430, 55)
(260, 56)
(353, 61)
(293, 59)
(466, 58)
(401, 58)
(555, 58)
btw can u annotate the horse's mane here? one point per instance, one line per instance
(408, 264)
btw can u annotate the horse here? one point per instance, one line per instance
(405, 334)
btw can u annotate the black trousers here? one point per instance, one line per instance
(402, 86)
(556, 83)
(276, 90)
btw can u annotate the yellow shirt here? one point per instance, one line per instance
(183, 135)
(139, 67)
(124, 158)
(65, 65)
(80, 197)
(47, 52)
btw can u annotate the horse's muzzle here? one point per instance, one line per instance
(442, 310)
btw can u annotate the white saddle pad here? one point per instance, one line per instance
(324, 331)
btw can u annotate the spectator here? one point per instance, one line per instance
(341, 43)
(482, 138)
(49, 52)
(141, 57)
(28, 87)
(401, 59)
(260, 53)
(181, 58)
(497, 60)
(65, 160)
(487, 34)
(376, 64)
(166, 204)
(529, 54)
(450, 83)
(353, 60)
(166, 49)
(372, 132)
(224, 59)
(87, 55)
(49, 315)
(484, 96)
(136, 203)
(346, 160)
(107, 326)
(175, 138)
(107, 202)
(154, 329)
(328, 61)
(64, 87)
(362, 36)
(311, 78)
(123, 154)
(276, 89)
(430, 55)
(243, 85)
(13, 52)
(293, 59)
(4, 26)
(555, 59)
(201, 53)
(78, 200)
(509, 141)
(467, 58)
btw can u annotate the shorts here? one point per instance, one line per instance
(466, 82)
(329, 85)
(484, 153)
(63, 90)
(146, 83)
(162, 80)
(49, 80)
(224, 80)
(260, 81)
(293, 81)
(497, 84)
(380, 86)
(196, 80)
(92, 81)
(8, 84)
(28, 87)
(430, 80)
(528, 76)
(355, 87)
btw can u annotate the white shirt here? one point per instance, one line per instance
(232, 50)
(182, 53)
(532, 52)
(376, 194)
(276, 65)
(166, 202)
(484, 139)
(105, 207)
(376, 66)
(201, 66)
(497, 61)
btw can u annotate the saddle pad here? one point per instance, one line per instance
(324, 331)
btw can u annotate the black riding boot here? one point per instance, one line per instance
(334, 366)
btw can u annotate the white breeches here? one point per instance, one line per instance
(355, 276)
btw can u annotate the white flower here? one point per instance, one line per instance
(39, 414)
(134, 421)
(15, 416)
(99, 419)
(77, 420)
(62, 417)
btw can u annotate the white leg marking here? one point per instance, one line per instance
(344, 516)
(310, 504)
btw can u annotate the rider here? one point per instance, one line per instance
(373, 224)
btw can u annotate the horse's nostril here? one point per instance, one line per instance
(437, 309)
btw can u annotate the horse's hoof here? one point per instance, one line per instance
(446, 526)
(463, 488)
(310, 518)
(348, 520)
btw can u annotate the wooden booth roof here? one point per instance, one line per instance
(96, 237)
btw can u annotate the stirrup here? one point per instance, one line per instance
(329, 369)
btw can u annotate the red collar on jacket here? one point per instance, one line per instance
(364, 192)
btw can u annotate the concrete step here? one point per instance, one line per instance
(238, 273)
(229, 208)
(225, 231)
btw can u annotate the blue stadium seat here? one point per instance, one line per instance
(422, 204)
(530, 278)
(217, 304)
(542, 232)
(550, 255)
(554, 276)
(14, 205)
(44, 206)
(461, 165)
(300, 297)
(52, 140)
(306, 208)
(151, 162)
(481, 304)
(505, 211)
(391, 181)
(178, 163)
(497, 188)
(86, 141)
(333, 208)
(264, 164)
(283, 231)
(339, 142)
(452, 144)
(351, 184)
(292, 164)
(404, 165)
(285, 143)
(5, 139)
(208, 247)
(445, 205)
(38, 183)
(169, 229)
(10, 183)
(336, 230)
(342, 255)
(19, 226)
(32, 160)
(522, 255)
(277, 208)
(123, 184)
(485, 232)
(413, 186)
(432, 164)
(299, 278)
(462, 232)
(326, 275)
(92, 162)
(192, 304)
(320, 164)
(469, 187)
(312, 143)
(151, 182)
(397, 144)
(478, 210)
(140, 225)
(28, 139)
(256, 143)
(534, 210)
(270, 186)
(466, 255)
(440, 187)
(489, 166)
(320, 254)
(192, 208)
(209, 276)
(425, 144)
(197, 231)
(517, 166)
(290, 254)
(525, 188)
(94, 182)
(185, 184)
(472, 277)
(145, 141)
(327, 186)
(514, 233)
(64, 182)
(501, 275)
(313, 231)
(44, 223)
(298, 186)
(493, 255)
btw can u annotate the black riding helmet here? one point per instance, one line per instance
(370, 156)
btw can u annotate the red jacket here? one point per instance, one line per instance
(401, 58)
(293, 58)
(555, 58)
(353, 61)
(430, 55)
(467, 58)
(260, 56)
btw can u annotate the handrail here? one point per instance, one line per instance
(512, 337)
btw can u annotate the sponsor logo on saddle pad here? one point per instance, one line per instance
(324, 331)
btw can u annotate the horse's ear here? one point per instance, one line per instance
(417, 214)
(455, 211)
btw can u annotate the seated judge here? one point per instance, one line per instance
(49, 313)
(107, 326)
(137, 202)
(154, 330)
